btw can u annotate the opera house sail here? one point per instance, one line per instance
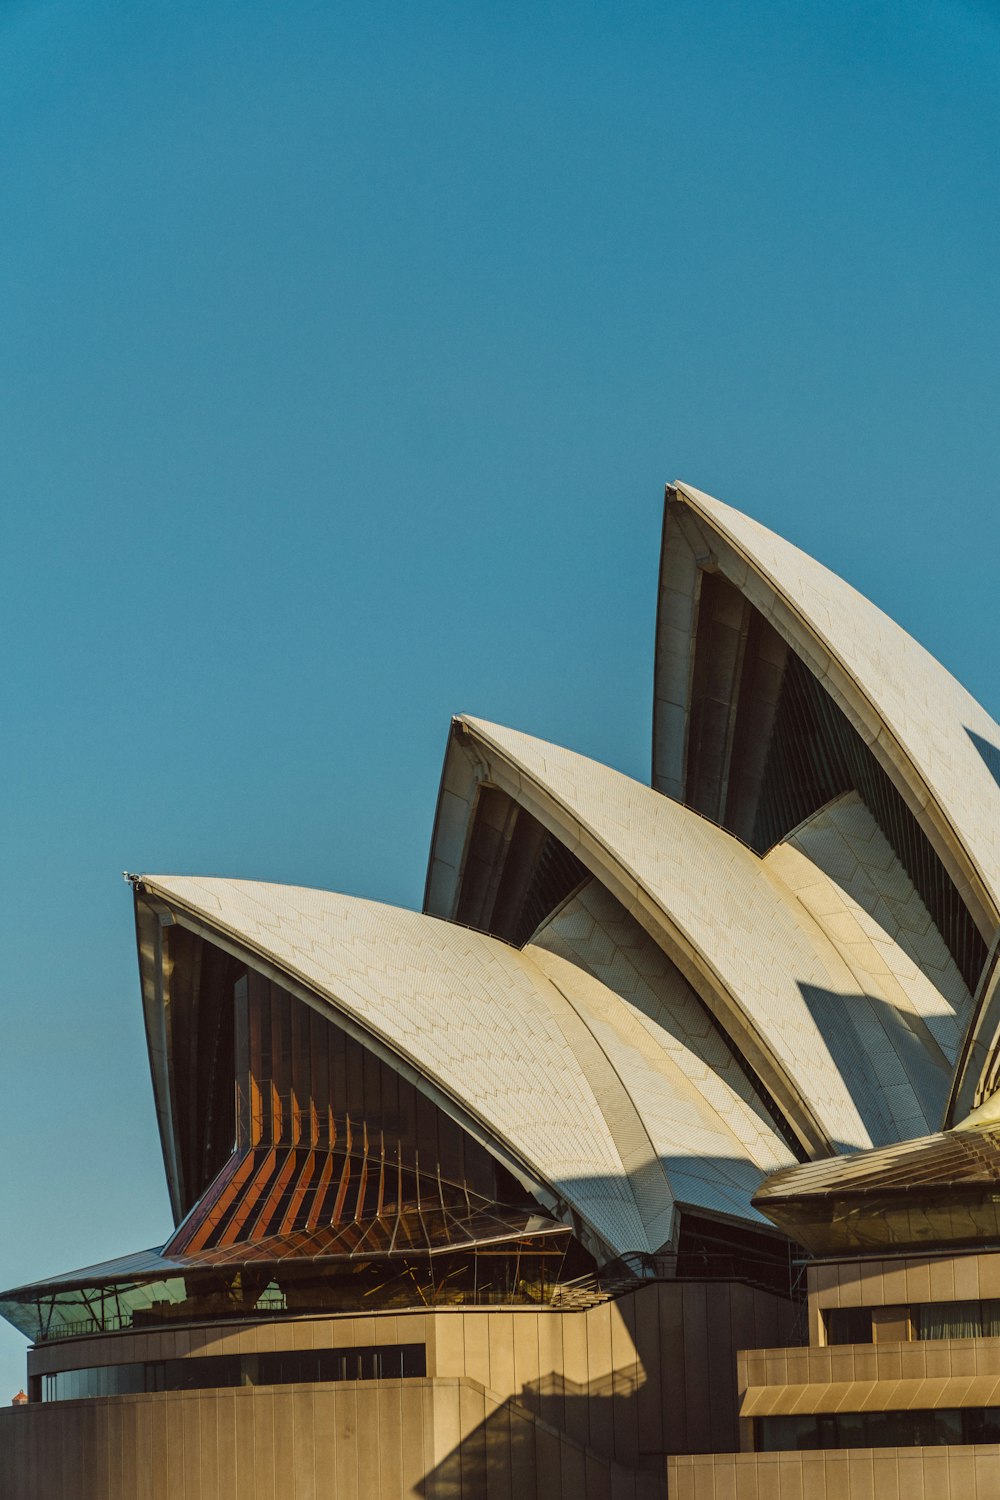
(660, 1153)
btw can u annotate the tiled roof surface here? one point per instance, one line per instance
(827, 1028)
(552, 1063)
(951, 741)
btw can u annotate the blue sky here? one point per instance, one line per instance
(345, 350)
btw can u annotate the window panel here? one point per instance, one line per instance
(216, 1372)
(878, 1429)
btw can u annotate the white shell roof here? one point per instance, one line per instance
(948, 738)
(715, 1151)
(593, 931)
(709, 899)
(846, 874)
(541, 1057)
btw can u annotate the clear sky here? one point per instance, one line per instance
(345, 349)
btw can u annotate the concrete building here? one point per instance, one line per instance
(660, 1153)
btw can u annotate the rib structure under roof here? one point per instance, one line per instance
(938, 743)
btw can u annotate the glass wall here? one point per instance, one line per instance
(527, 1271)
(213, 1372)
(879, 1429)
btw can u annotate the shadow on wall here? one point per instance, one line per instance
(527, 1448)
(989, 753)
(663, 1379)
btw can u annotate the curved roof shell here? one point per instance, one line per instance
(938, 745)
(593, 931)
(843, 870)
(848, 1066)
(540, 1061)
(710, 1146)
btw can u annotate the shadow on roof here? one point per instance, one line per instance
(989, 752)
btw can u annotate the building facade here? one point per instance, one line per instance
(657, 1154)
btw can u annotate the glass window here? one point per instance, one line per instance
(981, 1425)
(949, 1320)
(850, 1430)
(849, 1325)
(215, 1372)
(774, 1434)
(879, 1429)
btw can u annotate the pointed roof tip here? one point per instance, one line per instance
(186, 887)
(710, 505)
(490, 729)
(533, 752)
(474, 721)
(478, 721)
(735, 526)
